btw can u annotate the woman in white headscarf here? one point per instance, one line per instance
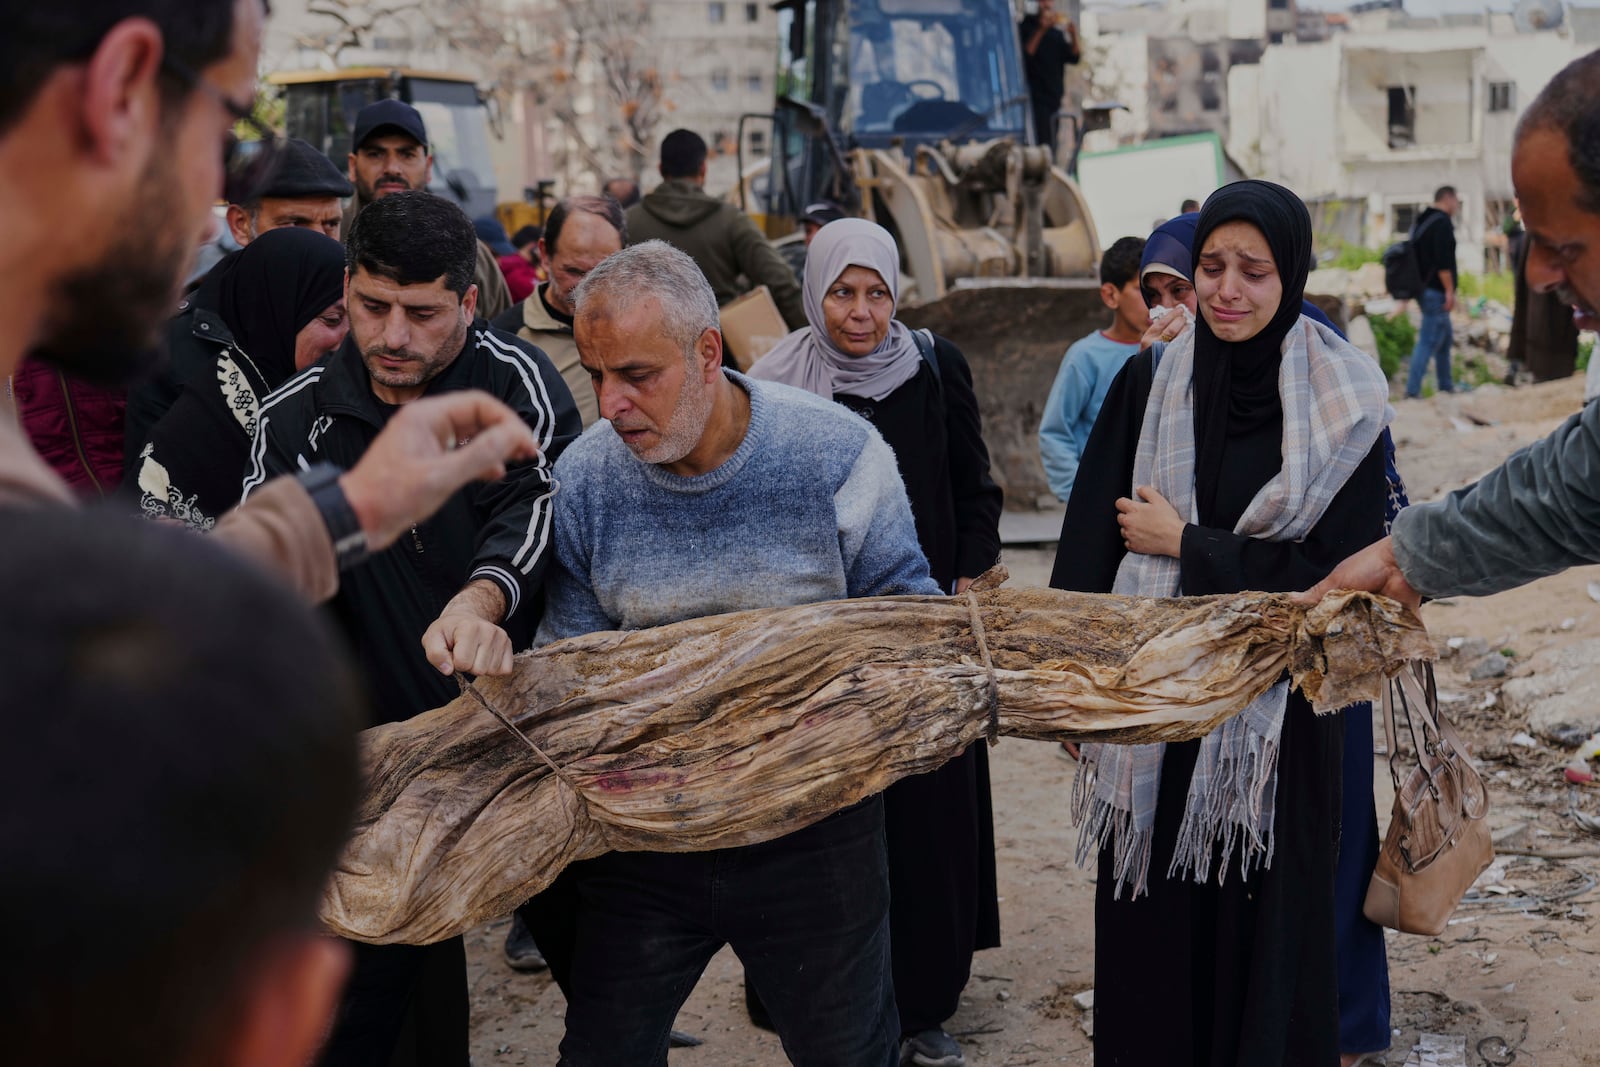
(917, 390)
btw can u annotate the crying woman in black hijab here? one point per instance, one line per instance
(263, 314)
(1247, 458)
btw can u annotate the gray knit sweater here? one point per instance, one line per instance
(810, 507)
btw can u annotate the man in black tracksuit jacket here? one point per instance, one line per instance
(465, 583)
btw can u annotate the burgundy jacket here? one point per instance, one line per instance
(74, 426)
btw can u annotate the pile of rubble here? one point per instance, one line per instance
(1534, 719)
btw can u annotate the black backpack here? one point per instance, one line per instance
(1402, 270)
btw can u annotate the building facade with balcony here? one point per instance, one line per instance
(1367, 124)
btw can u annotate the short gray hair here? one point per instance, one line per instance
(652, 269)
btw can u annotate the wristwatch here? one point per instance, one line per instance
(321, 480)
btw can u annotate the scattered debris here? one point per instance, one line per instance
(1494, 665)
(1524, 739)
(1438, 1050)
(1561, 697)
(1085, 1003)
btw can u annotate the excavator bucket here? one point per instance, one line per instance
(1013, 332)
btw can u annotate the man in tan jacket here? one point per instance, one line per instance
(579, 233)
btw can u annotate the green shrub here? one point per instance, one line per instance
(1396, 338)
(1350, 257)
(1585, 347)
(1470, 367)
(1498, 286)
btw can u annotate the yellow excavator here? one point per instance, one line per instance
(915, 114)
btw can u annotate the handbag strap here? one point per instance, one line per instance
(1388, 728)
(1421, 705)
(1439, 741)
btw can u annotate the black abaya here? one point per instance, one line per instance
(940, 825)
(1241, 973)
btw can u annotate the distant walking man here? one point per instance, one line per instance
(1434, 238)
(734, 256)
(1046, 54)
(389, 153)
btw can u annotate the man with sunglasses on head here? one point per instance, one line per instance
(389, 154)
(113, 121)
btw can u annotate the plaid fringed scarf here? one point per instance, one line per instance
(1335, 403)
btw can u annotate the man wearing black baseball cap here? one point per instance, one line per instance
(389, 154)
(304, 190)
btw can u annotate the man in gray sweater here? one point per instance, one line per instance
(1538, 513)
(704, 492)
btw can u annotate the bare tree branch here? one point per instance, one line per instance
(588, 65)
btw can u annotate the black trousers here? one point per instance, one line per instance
(1044, 121)
(807, 914)
(943, 904)
(404, 1005)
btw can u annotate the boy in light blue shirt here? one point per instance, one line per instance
(1090, 364)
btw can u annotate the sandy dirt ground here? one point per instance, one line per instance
(1515, 976)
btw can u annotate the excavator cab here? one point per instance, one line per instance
(924, 71)
(886, 73)
(914, 113)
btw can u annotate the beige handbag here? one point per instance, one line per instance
(1438, 840)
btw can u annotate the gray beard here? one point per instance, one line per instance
(687, 423)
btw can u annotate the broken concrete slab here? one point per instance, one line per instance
(1494, 665)
(1561, 698)
(1438, 1050)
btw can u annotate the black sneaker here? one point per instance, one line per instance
(521, 953)
(932, 1048)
